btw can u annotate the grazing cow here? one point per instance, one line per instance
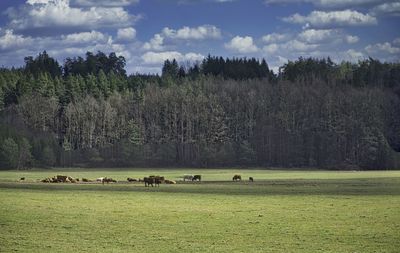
(167, 181)
(160, 178)
(108, 180)
(149, 181)
(22, 179)
(188, 177)
(237, 178)
(251, 179)
(131, 179)
(196, 178)
(153, 180)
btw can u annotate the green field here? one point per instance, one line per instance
(282, 211)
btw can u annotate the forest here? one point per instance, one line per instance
(88, 112)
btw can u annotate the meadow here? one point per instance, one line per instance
(281, 211)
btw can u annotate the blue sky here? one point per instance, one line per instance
(147, 32)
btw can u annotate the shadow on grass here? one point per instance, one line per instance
(368, 187)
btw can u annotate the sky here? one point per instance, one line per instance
(147, 32)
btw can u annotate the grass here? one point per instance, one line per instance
(282, 211)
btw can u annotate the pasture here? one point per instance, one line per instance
(281, 211)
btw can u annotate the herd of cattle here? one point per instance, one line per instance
(148, 181)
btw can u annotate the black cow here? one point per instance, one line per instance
(237, 178)
(196, 178)
(251, 179)
(148, 181)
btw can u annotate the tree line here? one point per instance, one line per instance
(218, 112)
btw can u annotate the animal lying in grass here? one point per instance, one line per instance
(59, 179)
(131, 179)
(46, 180)
(167, 181)
(105, 180)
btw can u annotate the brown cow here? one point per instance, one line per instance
(131, 179)
(167, 181)
(61, 179)
(46, 180)
(149, 181)
(153, 180)
(108, 180)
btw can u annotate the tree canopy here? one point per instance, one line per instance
(218, 112)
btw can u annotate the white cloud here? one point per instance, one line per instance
(396, 42)
(242, 45)
(126, 34)
(172, 36)
(298, 46)
(326, 36)
(293, 48)
(275, 37)
(353, 55)
(160, 57)
(107, 3)
(271, 49)
(387, 9)
(32, 2)
(9, 40)
(351, 39)
(156, 43)
(146, 69)
(193, 57)
(332, 4)
(313, 36)
(385, 48)
(199, 1)
(322, 19)
(59, 13)
(194, 33)
(92, 37)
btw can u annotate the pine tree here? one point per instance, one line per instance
(10, 153)
(103, 84)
